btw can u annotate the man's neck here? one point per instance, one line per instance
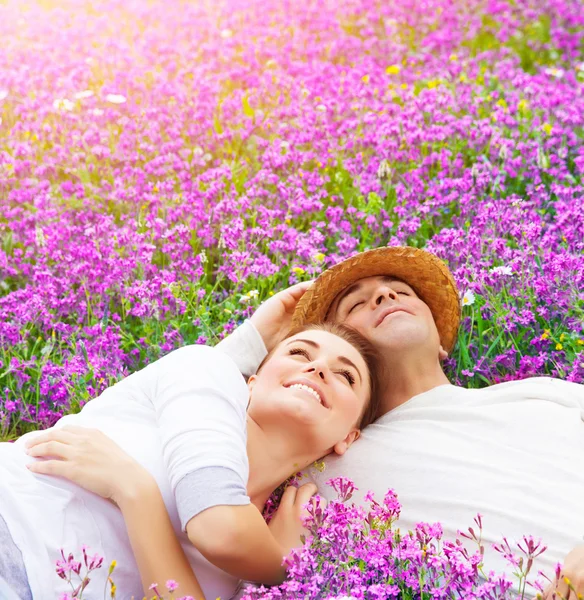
(272, 460)
(405, 379)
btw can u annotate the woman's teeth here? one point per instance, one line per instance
(300, 386)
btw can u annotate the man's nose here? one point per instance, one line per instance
(383, 293)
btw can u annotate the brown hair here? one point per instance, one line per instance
(370, 355)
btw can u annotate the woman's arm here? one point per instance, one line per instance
(157, 551)
(238, 540)
(93, 461)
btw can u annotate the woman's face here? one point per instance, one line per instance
(315, 386)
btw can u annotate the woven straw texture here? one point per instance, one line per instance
(424, 272)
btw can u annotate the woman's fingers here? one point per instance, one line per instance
(56, 435)
(288, 497)
(305, 493)
(50, 467)
(51, 448)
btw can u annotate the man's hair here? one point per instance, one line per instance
(369, 354)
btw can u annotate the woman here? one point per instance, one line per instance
(183, 418)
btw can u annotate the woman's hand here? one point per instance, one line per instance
(273, 318)
(88, 458)
(287, 525)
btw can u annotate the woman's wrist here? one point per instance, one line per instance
(135, 487)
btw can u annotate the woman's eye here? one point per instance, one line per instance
(348, 376)
(300, 351)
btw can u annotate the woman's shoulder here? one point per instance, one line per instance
(207, 362)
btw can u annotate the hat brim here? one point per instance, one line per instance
(423, 271)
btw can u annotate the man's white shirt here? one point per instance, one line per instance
(513, 452)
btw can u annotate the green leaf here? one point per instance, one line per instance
(217, 125)
(248, 111)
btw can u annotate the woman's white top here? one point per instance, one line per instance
(184, 419)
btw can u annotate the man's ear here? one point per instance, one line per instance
(341, 447)
(442, 354)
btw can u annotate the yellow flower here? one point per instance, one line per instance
(580, 342)
(562, 337)
(453, 57)
(319, 465)
(319, 257)
(434, 83)
(365, 78)
(404, 86)
(393, 70)
(463, 78)
(227, 311)
(522, 106)
(298, 270)
(559, 346)
(547, 128)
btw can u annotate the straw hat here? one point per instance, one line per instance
(424, 272)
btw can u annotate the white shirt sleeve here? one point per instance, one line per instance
(200, 399)
(245, 347)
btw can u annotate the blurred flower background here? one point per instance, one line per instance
(167, 165)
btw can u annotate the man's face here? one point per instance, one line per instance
(389, 313)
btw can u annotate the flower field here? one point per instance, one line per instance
(166, 165)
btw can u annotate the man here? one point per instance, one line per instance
(513, 452)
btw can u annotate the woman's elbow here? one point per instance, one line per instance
(216, 533)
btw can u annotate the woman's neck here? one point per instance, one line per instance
(272, 460)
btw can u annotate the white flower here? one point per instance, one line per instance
(39, 236)
(202, 257)
(468, 298)
(580, 66)
(97, 112)
(3, 94)
(253, 293)
(502, 270)
(321, 107)
(115, 98)
(83, 94)
(226, 33)
(384, 170)
(245, 299)
(63, 104)
(554, 72)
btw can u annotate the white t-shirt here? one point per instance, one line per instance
(513, 452)
(184, 419)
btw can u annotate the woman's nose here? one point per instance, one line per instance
(316, 369)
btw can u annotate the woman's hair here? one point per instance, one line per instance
(370, 355)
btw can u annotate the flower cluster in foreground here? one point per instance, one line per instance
(160, 161)
(357, 553)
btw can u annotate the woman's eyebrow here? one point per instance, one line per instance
(348, 361)
(309, 342)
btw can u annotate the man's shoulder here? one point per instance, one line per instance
(541, 382)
